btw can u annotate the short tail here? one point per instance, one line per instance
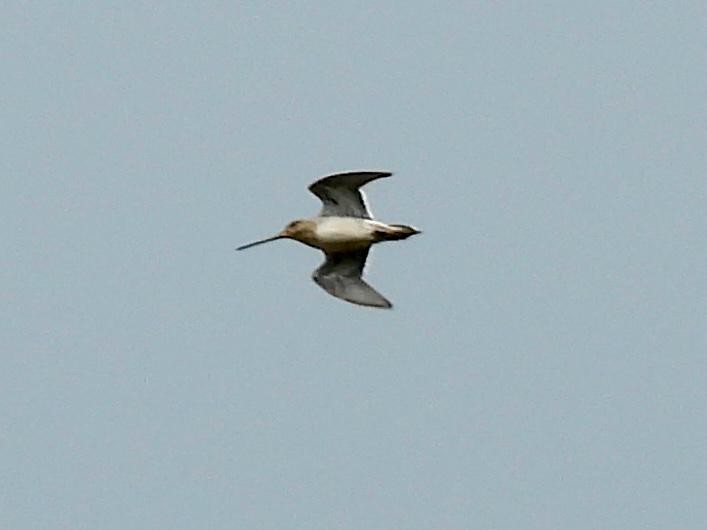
(396, 232)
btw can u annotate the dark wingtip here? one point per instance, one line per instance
(385, 304)
(328, 178)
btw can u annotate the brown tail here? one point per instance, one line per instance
(396, 232)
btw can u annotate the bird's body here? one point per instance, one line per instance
(336, 234)
(344, 231)
(342, 234)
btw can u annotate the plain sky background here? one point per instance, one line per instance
(544, 365)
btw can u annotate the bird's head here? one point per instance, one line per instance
(300, 229)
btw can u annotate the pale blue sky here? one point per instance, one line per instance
(544, 366)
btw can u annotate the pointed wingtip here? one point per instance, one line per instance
(354, 179)
(378, 172)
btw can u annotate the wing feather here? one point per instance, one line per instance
(341, 196)
(340, 276)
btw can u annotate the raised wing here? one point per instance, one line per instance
(341, 195)
(340, 276)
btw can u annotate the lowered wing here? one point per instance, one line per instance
(340, 276)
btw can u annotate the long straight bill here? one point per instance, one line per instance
(243, 247)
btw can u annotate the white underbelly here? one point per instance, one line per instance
(344, 233)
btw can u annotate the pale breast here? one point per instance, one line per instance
(338, 234)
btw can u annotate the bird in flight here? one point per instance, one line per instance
(344, 230)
